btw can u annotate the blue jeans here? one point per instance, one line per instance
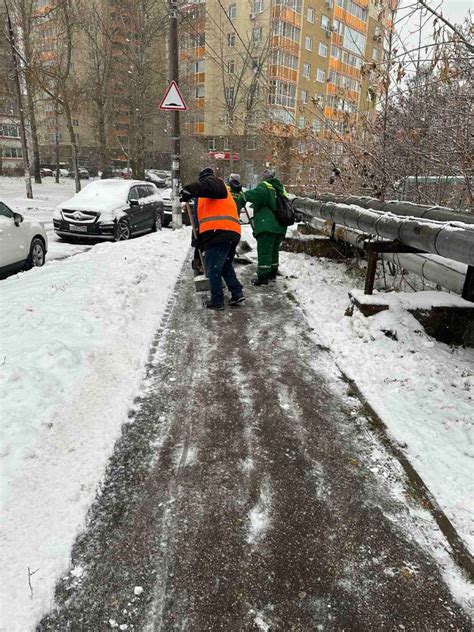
(218, 260)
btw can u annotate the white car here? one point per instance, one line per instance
(23, 243)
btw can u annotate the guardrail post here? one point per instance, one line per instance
(371, 269)
(468, 289)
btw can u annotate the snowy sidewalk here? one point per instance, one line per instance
(248, 493)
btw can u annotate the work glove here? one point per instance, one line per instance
(185, 196)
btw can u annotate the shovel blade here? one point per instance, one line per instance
(201, 283)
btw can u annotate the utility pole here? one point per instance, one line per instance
(175, 127)
(19, 96)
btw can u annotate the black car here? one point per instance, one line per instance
(110, 209)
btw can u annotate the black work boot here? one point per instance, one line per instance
(211, 305)
(260, 281)
(236, 300)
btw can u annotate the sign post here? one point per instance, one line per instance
(174, 102)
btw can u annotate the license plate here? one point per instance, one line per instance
(78, 229)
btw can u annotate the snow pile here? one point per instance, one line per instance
(422, 389)
(74, 340)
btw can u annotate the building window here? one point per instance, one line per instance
(323, 49)
(211, 144)
(9, 131)
(231, 40)
(282, 93)
(325, 23)
(75, 122)
(199, 66)
(286, 30)
(251, 143)
(231, 67)
(304, 96)
(302, 121)
(320, 75)
(257, 6)
(306, 70)
(232, 11)
(230, 94)
(316, 126)
(200, 92)
(257, 34)
(310, 15)
(12, 152)
(308, 42)
(375, 54)
(226, 144)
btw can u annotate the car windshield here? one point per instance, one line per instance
(106, 190)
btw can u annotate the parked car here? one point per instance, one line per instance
(45, 172)
(110, 209)
(161, 173)
(23, 243)
(168, 208)
(83, 173)
(63, 173)
(158, 181)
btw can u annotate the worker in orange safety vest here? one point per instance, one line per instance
(219, 234)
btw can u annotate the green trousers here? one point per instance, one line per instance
(268, 246)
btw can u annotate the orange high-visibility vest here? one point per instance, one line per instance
(218, 214)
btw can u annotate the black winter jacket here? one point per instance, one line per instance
(214, 189)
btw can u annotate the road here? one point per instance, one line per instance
(248, 493)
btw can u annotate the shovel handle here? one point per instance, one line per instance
(195, 233)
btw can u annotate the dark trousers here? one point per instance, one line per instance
(218, 260)
(268, 248)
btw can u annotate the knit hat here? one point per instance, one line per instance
(268, 174)
(234, 176)
(205, 173)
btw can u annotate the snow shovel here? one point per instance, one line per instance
(201, 282)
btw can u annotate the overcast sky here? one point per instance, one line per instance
(408, 23)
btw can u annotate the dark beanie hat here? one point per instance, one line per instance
(205, 173)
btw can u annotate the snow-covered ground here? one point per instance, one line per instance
(74, 340)
(46, 197)
(422, 389)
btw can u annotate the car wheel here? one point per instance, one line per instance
(122, 231)
(158, 225)
(166, 221)
(37, 255)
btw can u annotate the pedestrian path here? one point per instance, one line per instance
(244, 494)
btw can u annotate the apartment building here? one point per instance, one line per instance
(112, 68)
(285, 78)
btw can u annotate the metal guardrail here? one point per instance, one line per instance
(407, 209)
(446, 239)
(451, 239)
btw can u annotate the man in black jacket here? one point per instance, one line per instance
(219, 234)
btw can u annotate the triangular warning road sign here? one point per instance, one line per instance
(173, 99)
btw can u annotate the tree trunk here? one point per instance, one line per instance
(56, 143)
(19, 96)
(102, 137)
(72, 136)
(34, 134)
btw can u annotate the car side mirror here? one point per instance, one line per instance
(134, 203)
(17, 218)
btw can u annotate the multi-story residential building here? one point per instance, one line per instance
(113, 66)
(11, 152)
(269, 80)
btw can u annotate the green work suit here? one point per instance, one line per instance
(266, 228)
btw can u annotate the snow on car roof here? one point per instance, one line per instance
(109, 192)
